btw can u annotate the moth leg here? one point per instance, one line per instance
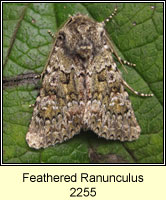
(135, 92)
(125, 62)
(119, 58)
(31, 105)
(51, 34)
(38, 76)
(111, 16)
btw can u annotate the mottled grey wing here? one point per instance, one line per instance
(109, 111)
(57, 115)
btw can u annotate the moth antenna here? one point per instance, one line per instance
(51, 34)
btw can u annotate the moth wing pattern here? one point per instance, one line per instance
(57, 115)
(82, 88)
(109, 113)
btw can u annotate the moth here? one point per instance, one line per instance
(82, 88)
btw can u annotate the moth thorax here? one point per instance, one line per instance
(84, 48)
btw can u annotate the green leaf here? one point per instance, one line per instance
(137, 34)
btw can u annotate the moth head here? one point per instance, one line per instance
(82, 37)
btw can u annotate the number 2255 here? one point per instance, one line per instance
(83, 192)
